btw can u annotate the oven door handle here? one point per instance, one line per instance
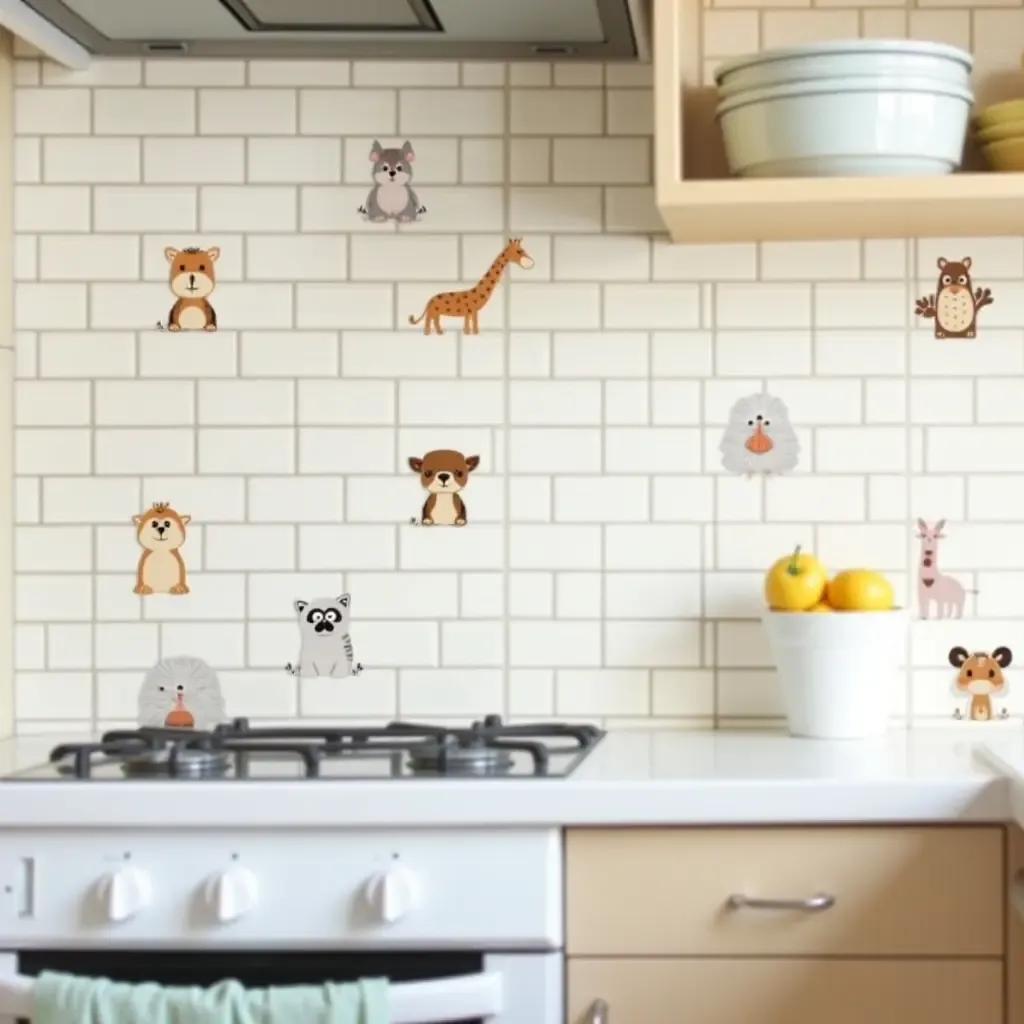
(463, 997)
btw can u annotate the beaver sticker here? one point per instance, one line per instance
(955, 303)
(192, 280)
(443, 475)
(979, 679)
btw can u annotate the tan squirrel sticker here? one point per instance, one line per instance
(954, 305)
(980, 678)
(468, 303)
(443, 475)
(192, 279)
(759, 438)
(161, 534)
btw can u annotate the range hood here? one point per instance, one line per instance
(352, 29)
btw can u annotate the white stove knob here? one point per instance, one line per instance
(232, 894)
(393, 893)
(125, 893)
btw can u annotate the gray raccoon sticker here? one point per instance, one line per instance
(326, 644)
(392, 196)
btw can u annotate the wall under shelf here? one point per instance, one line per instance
(699, 203)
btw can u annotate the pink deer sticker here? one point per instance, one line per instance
(933, 587)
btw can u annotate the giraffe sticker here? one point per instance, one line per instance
(468, 303)
(933, 587)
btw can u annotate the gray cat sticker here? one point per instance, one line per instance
(326, 650)
(392, 196)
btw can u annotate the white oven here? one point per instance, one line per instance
(466, 924)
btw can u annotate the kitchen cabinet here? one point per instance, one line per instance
(897, 924)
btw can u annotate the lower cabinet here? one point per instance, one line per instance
(791, 991)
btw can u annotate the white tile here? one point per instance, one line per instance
(565, 112)
(249, 208)
(346, 402)
(28, 160)
(985, 449)
(604, 499)
(127, 645)
(52, 111)
(88, 258)
(538, 450)
(50, 695)
(291, 160)
(720, 262)
(604, 692)
(652, 450)
(652, 546)
(198, 160)
(554, 547)
(250, 547)
(630, 111)
(51, 208)
(579, 595)
(631, 208)
(861, 305)
(377, 353)
(1002, 353)
(860, 450)
(816, 400)
(601, 161)
(683, 693)
(675, 402)
(883, 546)
(483, 161)
(53, 549)
(346, 450)
(810, 261)
(860, 353)
(628, 402)
(246, 450)
(653, 595)
(192, 349)
(553, 643)
(762, 353)
(295, 258)
(92, 161)
(100, 72)
(941, 401)
(482, 595)
(394, 257)
(247, 112)
(743, 546)
(656, 643)
(531, 594)
(554, 403)
(246, 403)
(49, 403)
(29, 648)
(763, 305)
(681, 354)
(885, 258)
(472, 643)
(355, 305)
(555, 306)
(120, 306)
(685, 499)
(348, 112)
(822, 499)
(144, 208)
(289, 354)
(145, 450)
(601, 258)
(529, 161)
(49, 306)
(473, 692)
(530, 499)
(479, 546)
(53, 598)
(90, 499)
(541, 209)
(469, 402)
(1000, 399)
(196, 72)
(444, 112)
(144, 112)
(299, 72)
(477, 73)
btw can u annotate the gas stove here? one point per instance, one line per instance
(239, 751)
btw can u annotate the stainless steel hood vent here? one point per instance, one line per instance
(354, 29)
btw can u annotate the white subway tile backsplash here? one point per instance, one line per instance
(610, 570)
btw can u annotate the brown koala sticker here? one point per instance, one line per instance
(954, 305)
(160, 532)
(443, 475)
(980, 678)
(468, 303)
(192, 280)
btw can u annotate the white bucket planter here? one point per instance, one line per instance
(837, 669)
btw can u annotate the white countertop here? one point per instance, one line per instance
(631, 778)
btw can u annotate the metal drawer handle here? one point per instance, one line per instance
(822, 901)
(598, 1012)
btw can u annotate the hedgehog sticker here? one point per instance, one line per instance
(192, 280)
(954, 305)
(759, 439)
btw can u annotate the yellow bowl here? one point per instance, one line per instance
(1007, 155)
(1000, 132)
(1000, 113)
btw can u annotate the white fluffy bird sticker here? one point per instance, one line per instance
(759, 438)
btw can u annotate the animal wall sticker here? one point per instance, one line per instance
(759, 438)
(392, 196)
(955, 304)
(933, 587)
(161, 533)
(980, 678)
(192, 279)
(326, 648)
(443, 474)
(181, 693)
(468, 303)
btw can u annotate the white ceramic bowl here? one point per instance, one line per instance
(842, 59)
(857, 127)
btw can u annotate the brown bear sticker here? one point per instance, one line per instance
(467, 304)
(161, 533)
(954, 305)
(980, 678)
(192, 280)
(443, 475)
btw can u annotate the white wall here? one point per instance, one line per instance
(610, 571)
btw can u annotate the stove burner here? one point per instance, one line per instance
(450, 757)
(238, 751)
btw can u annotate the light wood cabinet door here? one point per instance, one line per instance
(918, 891)
(794, 991)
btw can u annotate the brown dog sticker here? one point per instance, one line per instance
(980, 678)
(467, 304)
(192, 280)
(443, 475)
(954, 305)
(161, 533)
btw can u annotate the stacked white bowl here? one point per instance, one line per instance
(861, 107)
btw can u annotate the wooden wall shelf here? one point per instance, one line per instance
(701, 204)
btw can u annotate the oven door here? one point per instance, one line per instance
(428, 987)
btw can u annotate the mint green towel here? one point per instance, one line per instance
(66, 999)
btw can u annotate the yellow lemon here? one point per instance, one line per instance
(795, 583)
(822, 606)
(860, 590)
